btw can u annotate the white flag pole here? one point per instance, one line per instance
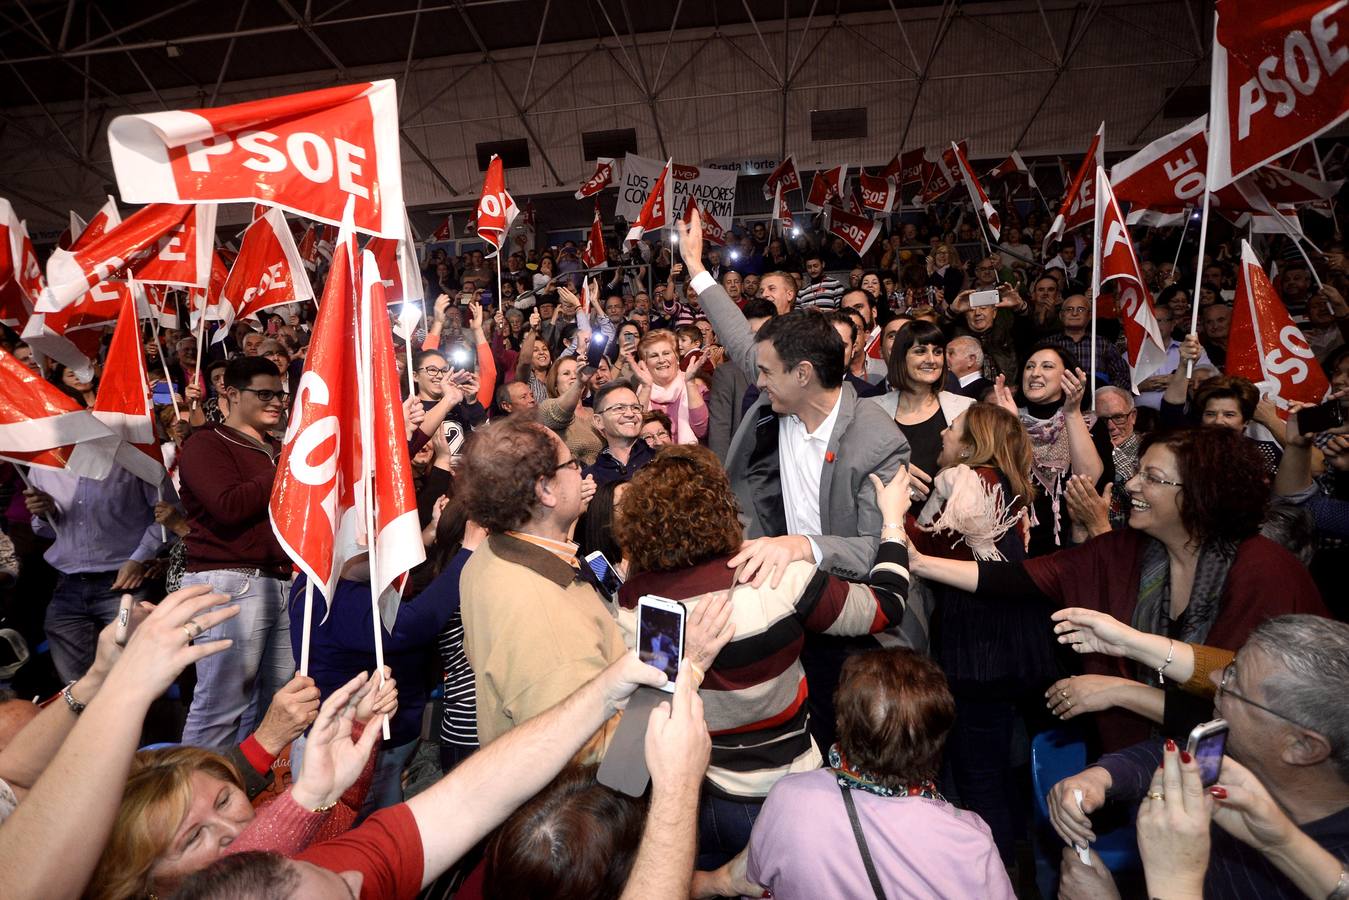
(164, 364)
(1098, 251)
(201, 345)
(308, 625)
(365, 395)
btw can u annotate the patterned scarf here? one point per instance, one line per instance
(1053, 460)
(1152, 614)
(857, 780)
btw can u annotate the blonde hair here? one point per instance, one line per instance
(998, 439)
(154, 803)
(653, 337)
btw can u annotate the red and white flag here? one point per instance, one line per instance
(163, 305)
(399, 268)
(594, 255)
(782, 214)
(1306, 160)
(785, 177)
(1265, 346)
(606, 172)
(826, 188)
(307, 153)
(858, 232)
(118, 252)
(21, 280)
(1166, 177)
(907, 167)
(444, 231)
(395, 546)
(184, 255)
(1279, 79)
(40, 426)
(655, 212)
(1119, 263)
(496, 207)
(977, 195)
(712, 230)
(72, 335)
(943, 175)
(1079, 203)
(123, 401)
(1012, 165)
(267, 272)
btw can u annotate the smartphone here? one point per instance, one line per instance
(1207, 744)
(459, 356)
(606, 575)
(123, 630)
(660, 635)
(984, 298)
(1316, 419)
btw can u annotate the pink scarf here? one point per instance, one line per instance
(674, 399)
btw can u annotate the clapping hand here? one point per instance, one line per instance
(1074, 386)
(1002, 395)
(332, 761)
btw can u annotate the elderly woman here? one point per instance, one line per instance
(565, 411)
(657, 365)
(1226, 402)
(877, 801)
(1191, 565)
(185, 807)
(679, 529)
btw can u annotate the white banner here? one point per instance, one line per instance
(713, 188)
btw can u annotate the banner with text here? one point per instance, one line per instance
(714, 189)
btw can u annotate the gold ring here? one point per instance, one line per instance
(1063, 692)
(191, 629)
(1156, 795)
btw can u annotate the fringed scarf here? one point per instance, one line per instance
(1053, 459)
(975, 511)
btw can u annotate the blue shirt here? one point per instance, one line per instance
(100, 524)
(345, 644)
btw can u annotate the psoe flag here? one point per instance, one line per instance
(307, 153)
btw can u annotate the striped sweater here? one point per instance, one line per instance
(754, 696)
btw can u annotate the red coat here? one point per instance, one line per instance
(1265, 580)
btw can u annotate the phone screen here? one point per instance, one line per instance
(660, 640)
(1208, 753)
(605, 574)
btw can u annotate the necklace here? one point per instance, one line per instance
(859, 780)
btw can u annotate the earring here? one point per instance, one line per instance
(964, 454)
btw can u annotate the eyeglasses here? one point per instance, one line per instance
(266, 396)
(1156, 481)
(1229, 674)
(568, 464)
(622, 408)
(651, 436)
(433, 371)
(1119, 418)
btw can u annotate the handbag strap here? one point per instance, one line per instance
(862, 843)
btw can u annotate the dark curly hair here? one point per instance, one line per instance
(678, 511)
(502, 466)
(1224, 489)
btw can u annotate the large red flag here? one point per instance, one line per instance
(307, 153)
(267, 272)
(712, 230)
(782, 213)
(858, 232)
(605, 169)
(21, 278)
(115, 254)
(211, 301)
(977, 195)
(1265, 346)
(593, 255)
(1119, 263)
(395, 546)
(123, 401)
(496, 207)
(184, 256)
(785, 176)
(398, 266)
(911, 166)
(1279, 79)
(655, 212)
(826, 188)
(1079, 201)
(40, 426)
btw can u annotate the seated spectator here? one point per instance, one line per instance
(656, 428)
(678, 525)
(894, 711)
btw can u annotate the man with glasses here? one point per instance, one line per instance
(618, 418)
(1116, 406)
(1283, 699)
(227, 472)
(1075, 315)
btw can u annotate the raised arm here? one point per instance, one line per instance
(1081, 449)
(727, 320)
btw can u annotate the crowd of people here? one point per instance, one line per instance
(912, 536)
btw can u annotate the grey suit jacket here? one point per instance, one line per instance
(724, 403)
(864, 441)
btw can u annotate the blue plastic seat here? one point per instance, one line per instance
(1056, 755)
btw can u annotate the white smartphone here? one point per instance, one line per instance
(660, 635)
(983, 298)
(1207, 744)
(123, 630)
(607, 576)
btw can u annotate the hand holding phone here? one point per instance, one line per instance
(660, 635)
(123, 631)
(606, 576)
(1207, 744)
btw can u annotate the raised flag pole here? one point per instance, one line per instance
(163, 364)
(201, 345)
(308, 625)
(1098, 251)
(1199, 258)
(1180, 245)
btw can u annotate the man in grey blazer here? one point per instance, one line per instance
(727, 401)
(783, 469)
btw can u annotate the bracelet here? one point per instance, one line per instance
(1170, 655)
(324, 809)
(75, 706)
(1341, 891)
(885, 525)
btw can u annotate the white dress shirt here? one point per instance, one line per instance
(801, 461)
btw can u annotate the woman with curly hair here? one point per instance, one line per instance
(1191, 566)
(678, 526)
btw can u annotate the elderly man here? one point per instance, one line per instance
(1075, 316)
(965, 362)
(618, 418)
(1283, 699)
(1116, 406)
(778, 288)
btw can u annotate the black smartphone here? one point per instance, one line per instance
(606, 575)
(1207, 744)
(1316, 419)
